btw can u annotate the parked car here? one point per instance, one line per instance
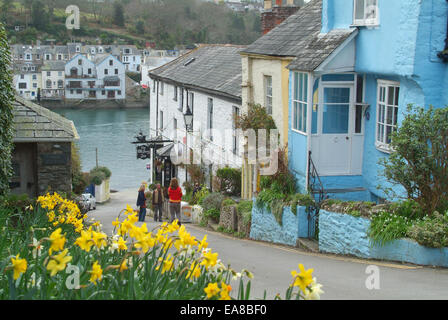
(89, 200)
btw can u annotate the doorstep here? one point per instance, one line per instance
(308, 244)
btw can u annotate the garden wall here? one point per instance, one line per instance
(265, 227)
(345, 234)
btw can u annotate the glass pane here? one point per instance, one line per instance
(390, 96)
(359, 88)
(301, 87)
(358, 119)
(389, 115)
(305, 87)
(382, 94)
(395, 116)
(397, 94)
(337, 95)
(359, 9)
(335, 119)
(314, 119)
(295, 119)
(388, 134)
(381, 133)
(300, 117)
(304, 117)
(296, 85)
(371, 9)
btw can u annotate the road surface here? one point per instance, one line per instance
(343, 278)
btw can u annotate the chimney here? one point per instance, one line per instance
(276, 11)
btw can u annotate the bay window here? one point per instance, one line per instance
(300, 102)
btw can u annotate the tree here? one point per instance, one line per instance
(5, 10)
(118, 14)
(419, 161)
(39, 16)
(6, 113)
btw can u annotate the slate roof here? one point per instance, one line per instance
(53, 66)
(299, 36)
(33, 123)
(214, 68)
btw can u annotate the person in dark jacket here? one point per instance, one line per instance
(141, 202)
(157, 203)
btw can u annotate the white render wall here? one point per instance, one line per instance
(32, 85)
(54, 77)
(222, 121)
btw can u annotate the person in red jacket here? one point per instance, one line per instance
(175, 195)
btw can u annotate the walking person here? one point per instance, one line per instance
(141, 202)
(157, 202)
(175, 196)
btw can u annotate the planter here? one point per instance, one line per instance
(102, 192)
(345, 234)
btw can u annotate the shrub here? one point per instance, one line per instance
(212, 201)
(431, 231)
(229, 180)
(228, 202)
(386, 226)
(244, 210)
(99, 174)
(305, 200)
(419, 159)
(213, 213)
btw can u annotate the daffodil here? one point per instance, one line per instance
(166, 264)
(37, 248)
(314, 292)
(225, 289)
(99, 239)
(19, 266)
(123, 265)
(57, 241)
(302, 279)
(121, 244)
(85, 241)
(210, 259)
(212, 290)
(203, 244)
(96, 273)
(58, 262)
(194, 271)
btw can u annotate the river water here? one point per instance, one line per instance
(111, 131)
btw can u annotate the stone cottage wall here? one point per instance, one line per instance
(54, 167)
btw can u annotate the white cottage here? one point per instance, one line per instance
(207, 83)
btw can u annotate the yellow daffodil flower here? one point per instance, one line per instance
(85, 241)
(57, 241)
(210, 259)
(96, 273)
(19, 266)
(195, 271)
(58, 262)
(302, 279)
(225, 289)
(211, 290)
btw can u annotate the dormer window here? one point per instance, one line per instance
(365, 12)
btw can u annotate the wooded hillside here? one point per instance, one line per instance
(166, 22)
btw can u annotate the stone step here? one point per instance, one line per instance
(308, 244)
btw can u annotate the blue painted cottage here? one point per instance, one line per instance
(359, 64)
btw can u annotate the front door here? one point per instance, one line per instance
(335, 141)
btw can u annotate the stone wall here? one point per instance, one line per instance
(228, 218)
(265, 227)
(345, 234)
(54, 167)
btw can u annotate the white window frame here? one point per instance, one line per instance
(299, 121)
(365, 21)
(381, 140)
(268, 96)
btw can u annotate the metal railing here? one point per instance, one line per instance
(315, 187)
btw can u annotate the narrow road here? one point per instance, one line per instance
(343, 278)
